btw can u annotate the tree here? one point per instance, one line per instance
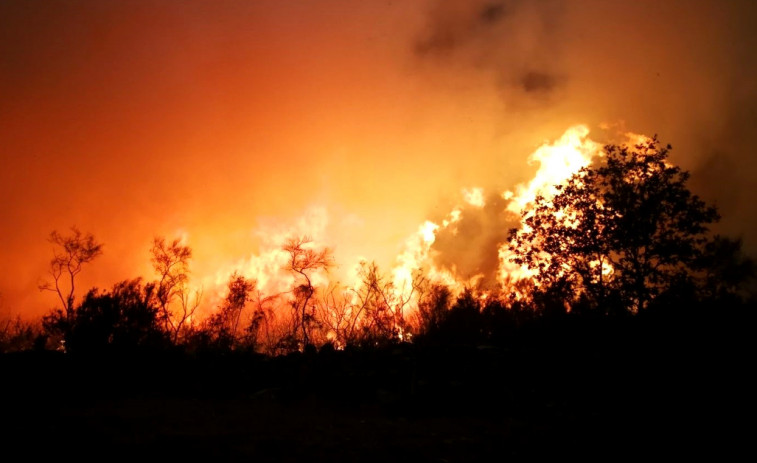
(70, 253)
(618, 233)
(122, 319)
(171, 263)
(303, 262)
(223, 326)
(379, 308)
(337, 315)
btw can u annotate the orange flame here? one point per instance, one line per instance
(558, 161)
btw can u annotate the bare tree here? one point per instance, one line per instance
(371, 313)
(337, 313)
(303, 262)
(70, 253)
(171, 262)
(374, 313)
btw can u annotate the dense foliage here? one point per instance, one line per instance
(621, 234)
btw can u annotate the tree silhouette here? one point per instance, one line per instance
(337, 315)
(303, 261)
(616, 234)
(171, 262)
(122, 319)
(70, 253)
(378, 310)
(223, 327)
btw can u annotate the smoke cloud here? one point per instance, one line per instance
(679, 69)
(515, 41)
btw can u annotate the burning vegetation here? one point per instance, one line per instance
(598, 230)
(589, 310)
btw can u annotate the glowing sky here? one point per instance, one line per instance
(222, 120)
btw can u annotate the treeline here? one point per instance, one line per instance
(135, 316)
(624, 239)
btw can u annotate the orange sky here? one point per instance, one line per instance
(219, 120)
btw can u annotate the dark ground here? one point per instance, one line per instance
(677, 392)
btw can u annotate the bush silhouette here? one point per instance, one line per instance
(124, 319)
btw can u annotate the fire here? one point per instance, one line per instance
(417, 256)
(340, 287)
(558, 161)
(414, 256)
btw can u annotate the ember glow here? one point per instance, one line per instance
(409, 134)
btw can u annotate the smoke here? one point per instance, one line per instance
(513, 40)
(680, 69)
(468, 248)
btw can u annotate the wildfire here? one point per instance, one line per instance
(341, 295)
(558, 161)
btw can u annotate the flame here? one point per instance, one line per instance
(417, 256)
(267, 267)
(558, 161)
(414, 256)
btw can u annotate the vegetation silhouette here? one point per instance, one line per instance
(621, 233)
(304, 260)
(122, 320)
(70, 253)
(633, 337)
(171, 263)
(378, 314)
(222, 330)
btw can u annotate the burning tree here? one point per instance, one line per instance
(378, 308)
(619, 233)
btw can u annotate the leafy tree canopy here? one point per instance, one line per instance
(617, 234)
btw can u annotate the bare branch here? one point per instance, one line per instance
(70, 253)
